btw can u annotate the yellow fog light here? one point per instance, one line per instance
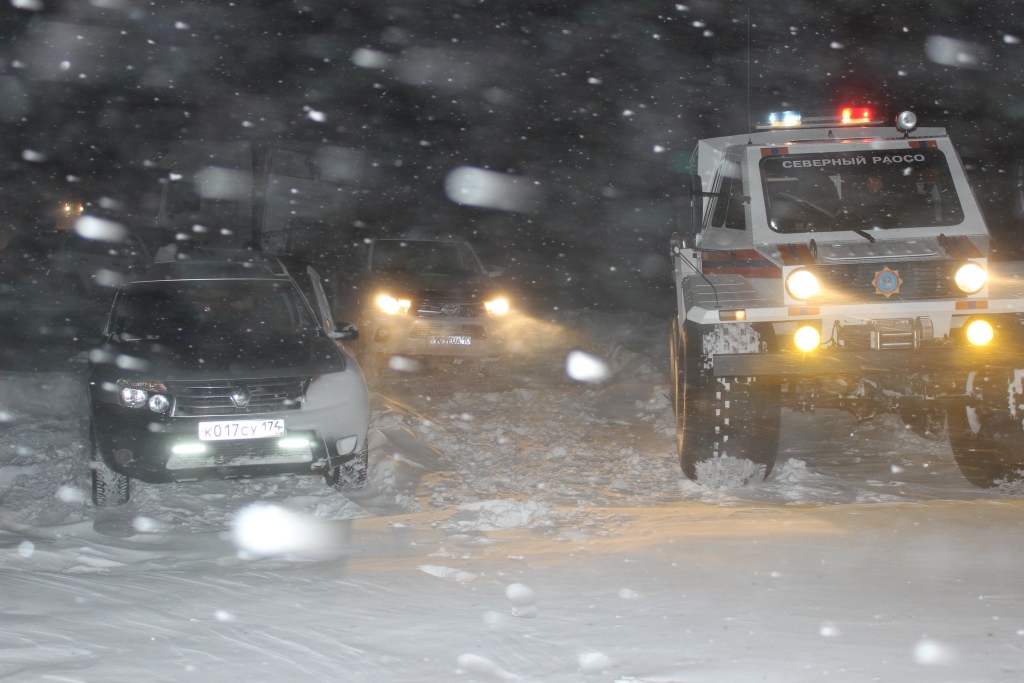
(807, 338)
(980, 332)
(802, 284)
(391, 305)
(497, 307)
(971, 278)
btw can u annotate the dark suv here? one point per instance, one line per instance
(217, 369)
(430, 297)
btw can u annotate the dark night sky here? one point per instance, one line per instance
(601, 101)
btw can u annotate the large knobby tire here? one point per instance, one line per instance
(109, 488)
(985, 428)
(350, 475)
(727, 428)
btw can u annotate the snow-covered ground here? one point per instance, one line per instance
(522, 528)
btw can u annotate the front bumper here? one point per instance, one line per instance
(950, 358)
(436, 336)
(165, 450)
(168, 447)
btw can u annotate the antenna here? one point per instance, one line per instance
(750, 141)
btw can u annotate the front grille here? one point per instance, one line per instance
(214, 398)
(241, 453)
(426, 330)
(920, 281)
(445, 307)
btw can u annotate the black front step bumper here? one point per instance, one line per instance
(939, 359)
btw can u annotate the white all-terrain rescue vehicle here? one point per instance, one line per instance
(837, 263)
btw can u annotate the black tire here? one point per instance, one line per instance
(350, 475)
(987, 440)
(675, 349)
(109, 488)
(927, 421)
(723, 421)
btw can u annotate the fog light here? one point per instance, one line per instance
(807, 338)
(158, 403)
(188, 449)
(293, 442)
(347, 445)
(980, 332)
(123, 456)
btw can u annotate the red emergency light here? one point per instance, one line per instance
(855, 115)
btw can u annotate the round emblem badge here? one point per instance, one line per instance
(887, 282)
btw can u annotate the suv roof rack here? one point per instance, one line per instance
(210, 268)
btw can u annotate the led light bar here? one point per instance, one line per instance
(846, 116)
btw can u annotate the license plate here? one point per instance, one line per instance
(450, 341)
(228, 430)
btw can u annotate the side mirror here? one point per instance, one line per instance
(345, 331)
(691, 198)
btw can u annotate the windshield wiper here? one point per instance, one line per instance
(864, 234)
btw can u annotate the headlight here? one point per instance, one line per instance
(497, 306)
(391, 305)
(136, 394)
(971, 278)
(980, 332)
(802, 284)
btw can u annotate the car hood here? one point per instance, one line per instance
(467, 286)
(241, 359)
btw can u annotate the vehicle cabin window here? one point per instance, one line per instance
(423, 257)
(727, 205)
(859, 190)
(211, 311)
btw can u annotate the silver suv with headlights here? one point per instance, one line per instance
(430, 297)
(836, 263)
(220, 369)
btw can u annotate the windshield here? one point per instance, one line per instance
(859, 190)
(423, 257)
(205, 311)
